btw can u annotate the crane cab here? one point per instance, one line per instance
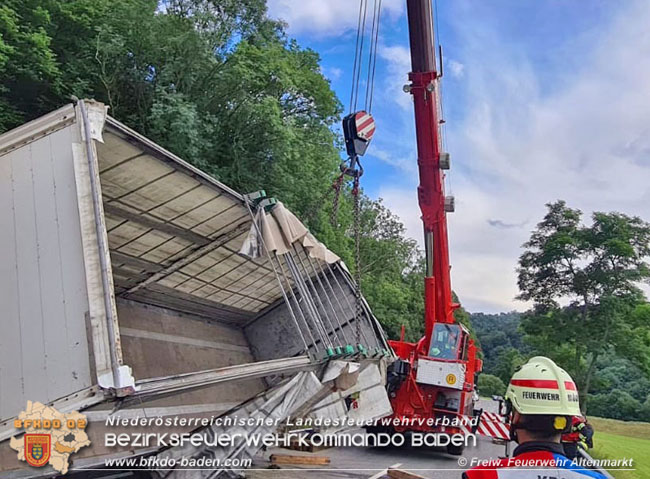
(442, 373)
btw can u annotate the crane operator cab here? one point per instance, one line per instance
(446, 341)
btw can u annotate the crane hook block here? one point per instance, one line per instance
(358, 130)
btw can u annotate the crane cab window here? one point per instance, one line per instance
(445, 341)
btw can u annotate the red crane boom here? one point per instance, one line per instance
(431, 194)
(433, 378)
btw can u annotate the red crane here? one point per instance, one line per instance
(433, 378)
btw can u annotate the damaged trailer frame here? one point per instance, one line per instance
(124, 290)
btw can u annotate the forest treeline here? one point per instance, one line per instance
(620, 390)
(222, 85)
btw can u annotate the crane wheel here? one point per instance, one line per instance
(455, 450)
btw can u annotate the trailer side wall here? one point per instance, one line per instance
(44, 351)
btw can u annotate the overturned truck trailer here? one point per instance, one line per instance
(133, 284)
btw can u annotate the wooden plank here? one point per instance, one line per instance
(300, 460)
(402, 474)
(381, 474)
(306, 446)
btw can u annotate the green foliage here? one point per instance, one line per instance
(619, 404)
(613, 439)
(489, 385)
(583, 281)
(391, 271)
(501, 343)
(28, 65)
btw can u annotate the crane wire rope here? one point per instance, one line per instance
(360, 63)
(372, 58)
(354, 167)
(356, 57)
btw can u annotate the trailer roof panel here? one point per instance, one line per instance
(175, 232)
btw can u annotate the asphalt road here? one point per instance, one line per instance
(368, 462)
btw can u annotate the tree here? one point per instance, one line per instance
(215, 81)
(583, 281)
(28, 66)
(489, 385)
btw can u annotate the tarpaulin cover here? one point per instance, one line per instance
(279, 230)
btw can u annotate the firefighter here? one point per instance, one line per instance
(580, 435)
(541, 399)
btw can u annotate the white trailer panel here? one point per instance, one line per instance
(43, 345)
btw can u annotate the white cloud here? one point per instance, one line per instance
(325, 18)
(456, 69)
(406, 164)
(523, 143)
(333, 73)
(398, 64)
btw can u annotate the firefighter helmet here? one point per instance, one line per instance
(542, 387)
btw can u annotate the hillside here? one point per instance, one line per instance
(620, 389)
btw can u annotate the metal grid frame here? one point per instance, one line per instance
(159, 211)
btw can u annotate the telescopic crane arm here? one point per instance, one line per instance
(431, 161)
(433, 378)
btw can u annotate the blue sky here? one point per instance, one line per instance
(544, 99)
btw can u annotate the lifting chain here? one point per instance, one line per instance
(338, 183)
(354, 170)
(357, 255)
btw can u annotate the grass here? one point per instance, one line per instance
(621, 428)
(620, 439)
